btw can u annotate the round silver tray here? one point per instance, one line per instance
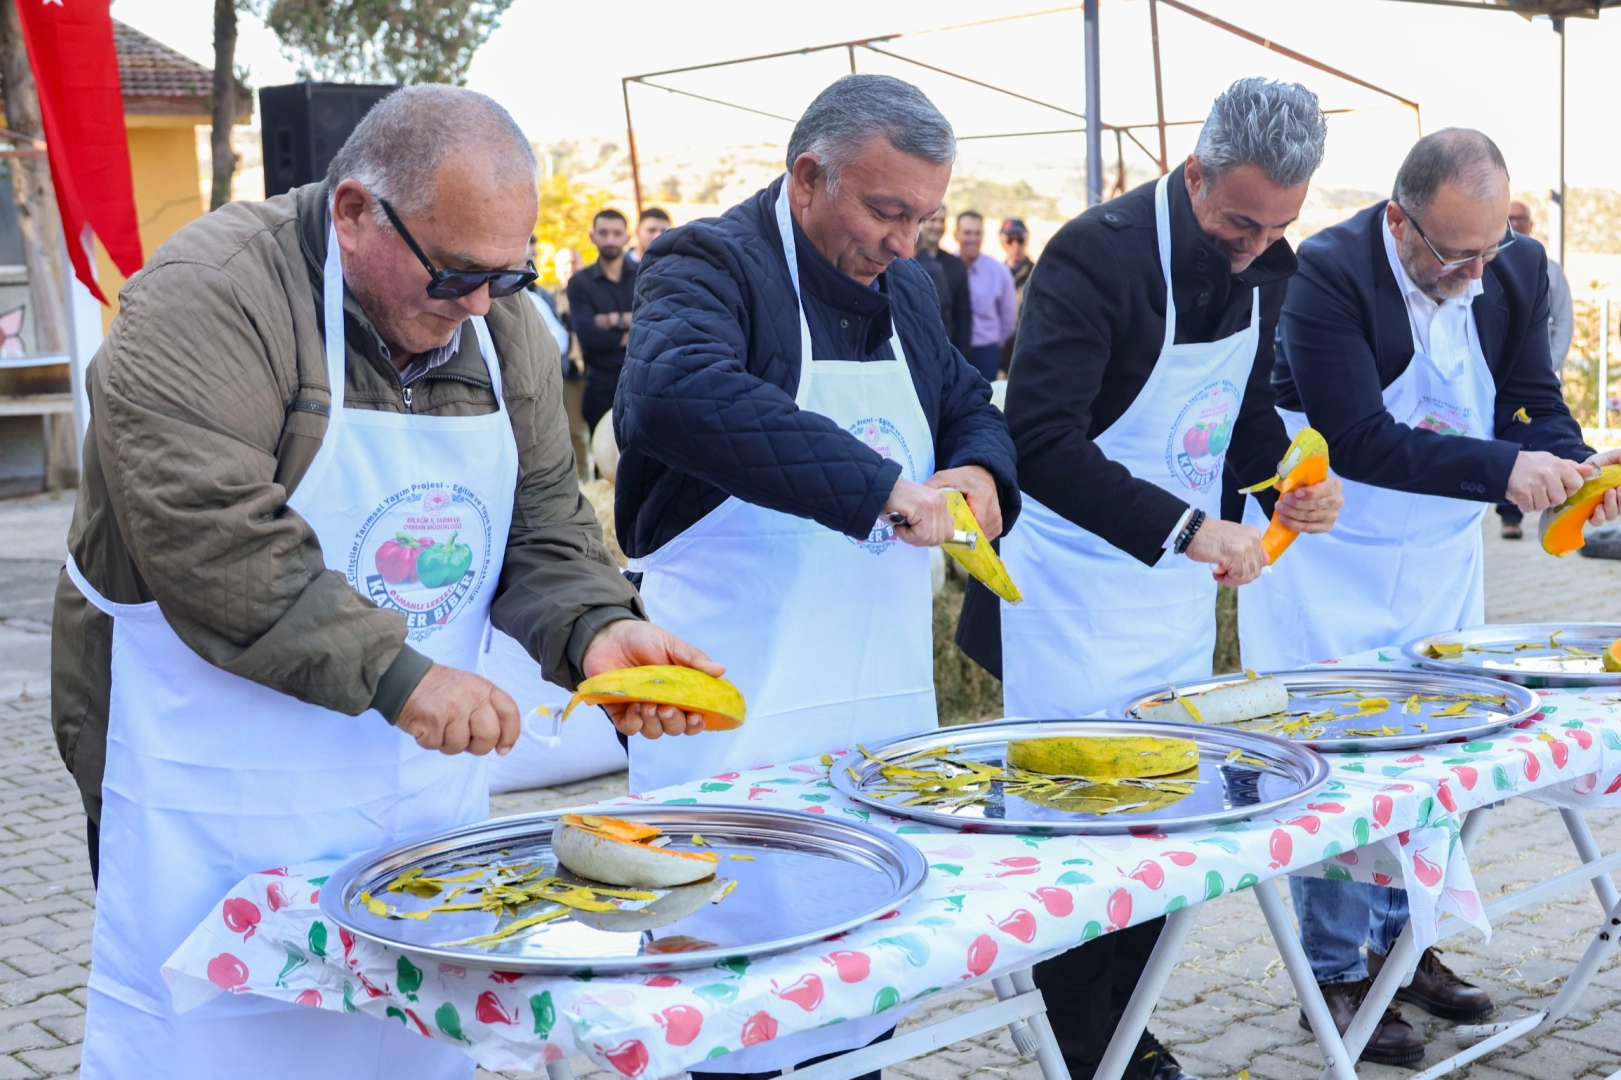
(806, 878)
(1308, 685)
(1228, 791)
(1490, 651)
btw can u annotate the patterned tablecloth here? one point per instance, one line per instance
(992, 904)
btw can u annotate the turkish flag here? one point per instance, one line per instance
(70, 46)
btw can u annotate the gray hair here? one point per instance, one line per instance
(846, 115)
(1277, 126)
(397, 148)
(1460, 156)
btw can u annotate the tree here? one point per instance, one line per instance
(566, 210)
(404, 41)
(224, 101)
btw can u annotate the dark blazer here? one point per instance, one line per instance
(1345, 336)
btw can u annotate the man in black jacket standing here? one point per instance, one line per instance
(789, 411)
(1142, 369)
(599, 304)
(1415, 339)
(950, 281)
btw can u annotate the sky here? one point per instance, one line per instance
(557, 66)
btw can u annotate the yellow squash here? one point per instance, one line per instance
(1561, 530)
(1612, 657)
(981, 561)
(1103, 756)
(1305, 463)
(720, 702)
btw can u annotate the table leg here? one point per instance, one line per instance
(1024, 1040)
(559, 1070)
(1047, 1054)
(1340, 1063)
(1143, 999)
(1587, 848)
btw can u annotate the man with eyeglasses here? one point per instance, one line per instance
(1415, 338)
(327, 451)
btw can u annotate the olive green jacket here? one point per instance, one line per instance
(208, 401)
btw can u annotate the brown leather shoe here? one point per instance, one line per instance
(1394, 1041)
(1511, 530)
(1437, 989)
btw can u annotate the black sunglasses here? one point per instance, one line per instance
(454, 284)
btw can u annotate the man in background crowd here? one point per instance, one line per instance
(599, 302)
(950, 281)
(1561, 329)
(1016, 253)
(650, 225)
(990, 287)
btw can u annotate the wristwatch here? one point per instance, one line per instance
(1185, 537)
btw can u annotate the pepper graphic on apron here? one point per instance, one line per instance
(1397, 565)
(211, 777)
(1097, 624)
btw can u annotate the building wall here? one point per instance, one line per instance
(163, 164)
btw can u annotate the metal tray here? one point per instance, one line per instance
(1398, 686)
(810, 878)
(1528, 667)
(1226, 792)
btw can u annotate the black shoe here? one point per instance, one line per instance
(1394, 1042)
(1511, 530)
(1152, 1061)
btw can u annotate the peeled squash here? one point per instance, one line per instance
(1612, 657)
(616, 851)
(1103, 756)
(718, 701)
(1561, 530)
(1247, 700)
(981, 560)
(1305, 463)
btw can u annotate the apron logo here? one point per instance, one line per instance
(886, 440)
(1197, 446)
(1441, 417)
(423, 552)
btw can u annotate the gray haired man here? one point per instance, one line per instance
(1140, 388)
(327, 448)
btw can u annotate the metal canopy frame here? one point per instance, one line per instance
(1094, 132)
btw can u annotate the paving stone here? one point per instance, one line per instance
(28, 1037)
(51, 1062)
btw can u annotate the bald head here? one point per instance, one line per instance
(1452, 157)
(1449, 212)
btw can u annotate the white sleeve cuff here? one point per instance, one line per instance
(1176, 530)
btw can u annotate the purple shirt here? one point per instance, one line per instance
(990, 290)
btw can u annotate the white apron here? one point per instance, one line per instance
(211, 777)
(1396, 566)
(1097, 624)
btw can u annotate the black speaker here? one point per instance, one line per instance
(304, 124)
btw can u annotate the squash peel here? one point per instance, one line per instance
(1561, 528)
(1305, 463)
(981, 560)
(718, 701)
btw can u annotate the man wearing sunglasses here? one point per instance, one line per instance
(1415, 338)
(327, 452)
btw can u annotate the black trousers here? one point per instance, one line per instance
(874, 1075)
(92, 837)
(597, 401)
(1509, 512)
(1087, 989)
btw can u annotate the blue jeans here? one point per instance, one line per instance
(1338, 917)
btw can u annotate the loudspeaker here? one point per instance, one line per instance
(304, 124)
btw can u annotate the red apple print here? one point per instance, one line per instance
(806, 992)
(1397, 787)
(227, 972)
(1382, 809)
(489, 1010)
(759, 1028)
(1411, 759)
(1404, 837)
(629, 1058)
(812, 809)
(312, 998)
(1182, 858)
(276, 897)
(1058, 902)
(1615, 785)
(1523, 724)
(1149, 873)
(1561, 754)
(348, 941)
(1444, 793)
(981, 954)
(505, 977)
(681, 1024)
(1118, 909)
(241, 916)
(1467, 775)
(1308, 822)
(887, 915)
(421, 1027)
(1586, 784)
(1381, 879)
(315, 897)
(661, 980)
(1019, 860)
(1468, 903)
(275, 871)
(1282, 848)
(1427, 872)
(370, 988)
(1532, 767)
(1583, 739)
(853, 966)
(1021, 924)
(1326, 807)
(727, 776)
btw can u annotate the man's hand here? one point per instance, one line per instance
(1540, 480)
(627, 643)
(979, 488)
(928, 522)
(1313, 508)
(453, 711)
(1233, 549)
(1609, 508)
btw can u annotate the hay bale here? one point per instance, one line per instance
(600, 494)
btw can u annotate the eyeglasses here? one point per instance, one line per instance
(454, 284)
(1448, 265)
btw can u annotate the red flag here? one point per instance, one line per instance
(70, 45)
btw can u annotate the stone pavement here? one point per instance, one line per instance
(1229, 1007)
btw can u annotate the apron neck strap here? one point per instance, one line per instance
(1162, 230)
